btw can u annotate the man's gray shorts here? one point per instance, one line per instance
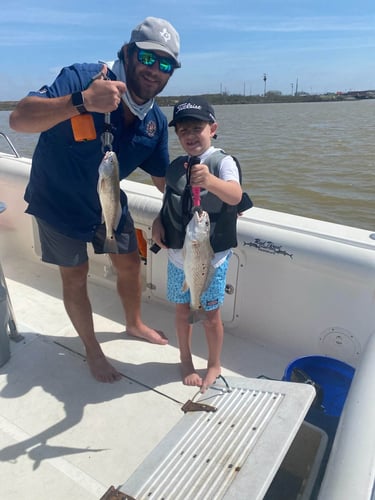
(62, 250)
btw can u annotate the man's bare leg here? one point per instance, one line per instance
(184, 333)
(129, 289)
(78, 307)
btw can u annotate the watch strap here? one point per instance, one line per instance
(78, 102)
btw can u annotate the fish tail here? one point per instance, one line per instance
(193, 317)
(196, 315)
(110, 245)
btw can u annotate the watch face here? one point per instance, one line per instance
(77, 99)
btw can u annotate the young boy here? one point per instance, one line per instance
(218, 178)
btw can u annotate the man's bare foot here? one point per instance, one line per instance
(212, 373)
(189, 375)
(149, 334)
(101, 369)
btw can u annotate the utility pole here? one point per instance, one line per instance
(265, 84)
(292, 87)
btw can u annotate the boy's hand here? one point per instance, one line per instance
(228, 191)
(200, 176)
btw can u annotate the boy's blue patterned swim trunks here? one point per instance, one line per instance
(211, 299)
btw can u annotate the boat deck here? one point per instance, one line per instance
(63, 434)
(301, 287)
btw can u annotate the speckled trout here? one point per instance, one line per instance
(198, 254)
(109, 195)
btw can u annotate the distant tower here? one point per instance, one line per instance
(265, 83)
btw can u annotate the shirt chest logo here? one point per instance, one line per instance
(151, 128)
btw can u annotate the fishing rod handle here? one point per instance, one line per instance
(194, 160)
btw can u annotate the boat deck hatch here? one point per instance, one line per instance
(231, 453)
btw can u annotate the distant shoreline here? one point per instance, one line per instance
(7, 105)
(269, 98)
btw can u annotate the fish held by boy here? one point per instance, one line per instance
(198, 254)
(109, 195)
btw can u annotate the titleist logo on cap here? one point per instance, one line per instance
(187, 105)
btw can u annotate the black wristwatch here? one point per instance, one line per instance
(77, 100)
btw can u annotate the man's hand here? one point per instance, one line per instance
(34, 114)
(103, 96)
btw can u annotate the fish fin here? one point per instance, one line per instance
(98, 188)
(110, 245)
(185, 287)
(118, 215)
(100, 182)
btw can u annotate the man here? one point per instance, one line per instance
(62, 191)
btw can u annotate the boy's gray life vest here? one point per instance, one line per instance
(175, 213)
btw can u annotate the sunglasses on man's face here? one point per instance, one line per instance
(149, 59)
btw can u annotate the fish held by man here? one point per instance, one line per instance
(198, 254)
(109, 195)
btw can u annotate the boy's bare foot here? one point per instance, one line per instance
(148, 334)
(212, 373)
(101, 369)
(189, 375)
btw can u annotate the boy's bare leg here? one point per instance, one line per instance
(184, 333)
(78, 307)
(215, 335)
(130, 290)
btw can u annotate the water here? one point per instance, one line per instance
(311, 159)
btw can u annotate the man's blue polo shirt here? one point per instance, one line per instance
(62, 189)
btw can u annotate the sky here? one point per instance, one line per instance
(315, 46)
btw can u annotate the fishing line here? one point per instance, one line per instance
(122, 374)
(146, 386)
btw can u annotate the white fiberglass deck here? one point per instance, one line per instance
(64, 435)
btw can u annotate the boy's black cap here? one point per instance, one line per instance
(193, 107)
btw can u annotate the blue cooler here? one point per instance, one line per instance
(331, 375)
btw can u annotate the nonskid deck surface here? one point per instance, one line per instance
(64, 435)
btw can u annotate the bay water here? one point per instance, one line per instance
(309, 159)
